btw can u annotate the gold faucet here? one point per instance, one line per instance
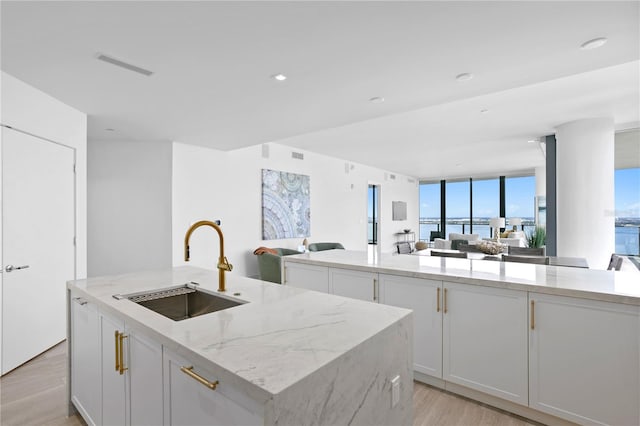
(223, 263)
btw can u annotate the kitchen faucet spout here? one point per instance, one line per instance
(223, 264)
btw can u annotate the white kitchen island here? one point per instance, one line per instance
(551, 343)
(286, 356)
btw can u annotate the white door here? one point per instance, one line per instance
(584, 359)
(38, 232)
(354, 284)
(424, 297)
(311, 277)
(485, 340)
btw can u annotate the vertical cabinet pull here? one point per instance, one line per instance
(375, 290)
(284, 275)
(533, 315)
(445, 301)
(121, 354)
(438, 299)
(117, 345)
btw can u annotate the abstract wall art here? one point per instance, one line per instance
(286, 209)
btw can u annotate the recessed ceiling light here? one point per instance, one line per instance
(484, 111)
(110, 130)
(532, 141)
(593, 44)
(458, 164)
(279, 77)
(377, 100)
(464, 76)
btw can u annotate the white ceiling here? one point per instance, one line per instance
(213, 62)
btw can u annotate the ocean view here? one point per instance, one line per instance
(627, 231)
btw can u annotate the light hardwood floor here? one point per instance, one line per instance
(35, 393)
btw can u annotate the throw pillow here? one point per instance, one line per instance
(456, 243)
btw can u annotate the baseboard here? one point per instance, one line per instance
(501, 404)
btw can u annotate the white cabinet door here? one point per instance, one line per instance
(485, 340)
(85, 360)
(189, 402)
(113, 382)
(144, 379)
(354, 284)
(311, 277)
(585, 360)
(424, 298)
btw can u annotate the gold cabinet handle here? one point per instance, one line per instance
(445, 301)
(533, 315)
(375, 292)
(438, 300)
(117, 357)
(189, 372)
(121, 355)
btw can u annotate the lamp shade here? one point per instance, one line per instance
(515, 221)
(497, 222)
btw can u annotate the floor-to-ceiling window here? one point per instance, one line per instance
(520, 199)
(372, 213)
(627, 205)
(429, 209)
(486, 204)
(458, 206)
(470, 203)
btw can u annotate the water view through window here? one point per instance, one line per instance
(627, 205)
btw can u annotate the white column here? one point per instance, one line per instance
(585, 190)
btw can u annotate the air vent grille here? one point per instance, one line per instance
(122, 64)
(297, 155)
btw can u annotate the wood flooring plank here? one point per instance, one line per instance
(35, 395)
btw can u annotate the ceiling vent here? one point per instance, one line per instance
(297, 155)
(122, 64)
(392, 177)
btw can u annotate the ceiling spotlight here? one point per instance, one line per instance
(532, 141)
(593, 44)
(279, 77)
(484, 111)
(377, 100)
(464, 76)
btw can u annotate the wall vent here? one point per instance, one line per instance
(297, 155)
(392, 177)
(122, 64)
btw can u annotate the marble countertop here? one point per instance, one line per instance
(282, 335)
(611, 286)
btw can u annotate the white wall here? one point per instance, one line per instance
(129, 206)
(211, 184)
(28, 109)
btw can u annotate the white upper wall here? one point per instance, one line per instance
(129, 206)
(30, 110)
(210, 184)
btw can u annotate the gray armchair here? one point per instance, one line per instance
(270, 265)
(325, 246)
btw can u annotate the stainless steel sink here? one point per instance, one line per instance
(183, 302)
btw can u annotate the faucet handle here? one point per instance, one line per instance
(225, 265)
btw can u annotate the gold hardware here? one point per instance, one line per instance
(445, 301)
(223, 264)
(438, 300)
(533, 315)
(189, 371)
(122, 367)
(117, 333)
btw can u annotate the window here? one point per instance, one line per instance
(372, 213)
(429, 209)
(627, 205)
(486, 204)
(457, 207)
(519, 198)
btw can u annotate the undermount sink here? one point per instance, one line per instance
(183, 302)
